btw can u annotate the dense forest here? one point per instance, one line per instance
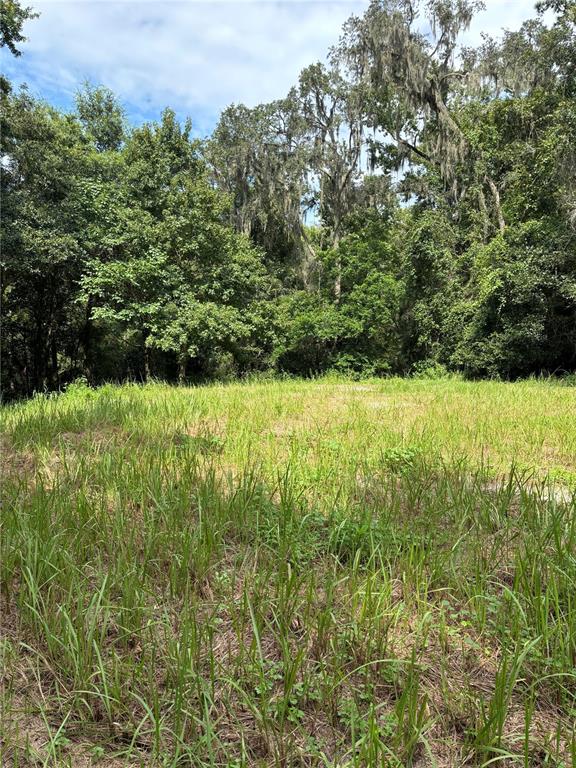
(409, 207)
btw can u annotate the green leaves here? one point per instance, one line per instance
(281, 243)
(185, 280)
(12, 18)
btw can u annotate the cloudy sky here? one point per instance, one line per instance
(196, 56)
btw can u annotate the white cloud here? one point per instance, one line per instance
(195, 55)
(499, 15)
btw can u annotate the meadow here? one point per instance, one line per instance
(301, 573)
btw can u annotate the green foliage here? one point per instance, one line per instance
(185, 280)
(105, 243)
(47, 210)
(129, 253)
(102, 117)
(12, 18)
(312, 329)
(520, 314)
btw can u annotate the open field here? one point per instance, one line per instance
(329, 573)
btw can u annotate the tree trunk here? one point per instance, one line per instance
(86, 339)
(338, 281)
(338, 278)
(309, 259)
(39, 357)
(147, 371)
(182, 359)
(55, 372)
(485, 217)
(496, 196)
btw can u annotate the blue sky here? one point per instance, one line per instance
(196, 56)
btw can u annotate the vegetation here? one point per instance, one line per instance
(409, 205)
(343, 570)
(320, 574)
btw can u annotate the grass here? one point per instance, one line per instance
(322, 573)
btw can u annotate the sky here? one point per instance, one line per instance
(196, 56)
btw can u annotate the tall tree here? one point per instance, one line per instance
(414, 84)
(182, 278)
(46, 207)
(260, 158)
(334, 119)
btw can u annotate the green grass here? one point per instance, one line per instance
(286, 574)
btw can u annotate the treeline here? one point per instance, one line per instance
(409, 206)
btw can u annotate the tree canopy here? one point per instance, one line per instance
(408, 206)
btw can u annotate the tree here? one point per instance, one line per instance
(102, 117)
(415, 88)
(182, 278)
(407, 204)
(516, 315)
(12, 18)
(46, 207)
(334, 119)
(259, 157)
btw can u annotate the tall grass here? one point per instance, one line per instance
(297, 574)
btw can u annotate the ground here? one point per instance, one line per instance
(323, 573)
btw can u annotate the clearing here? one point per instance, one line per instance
(323, 573)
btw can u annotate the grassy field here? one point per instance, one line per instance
(290, 574)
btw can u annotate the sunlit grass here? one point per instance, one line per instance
(329, 573)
